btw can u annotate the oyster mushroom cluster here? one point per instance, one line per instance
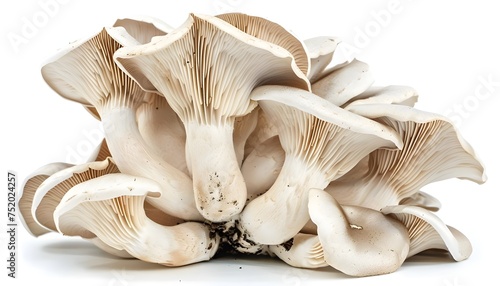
(229, 134)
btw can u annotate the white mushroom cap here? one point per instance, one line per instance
(49, 193)
(320, 52)
(143, 28)
(31, 185)
(86, 73)
(28, 189)
(184, 50)
(428, 231)
(423, 200)
(270, 32)
(111, 207)
(208, 83)
(103, 188)
(358, 241)
(392, 94)
(344, 83)
(321, 142)
(303, 250)
(433, 150)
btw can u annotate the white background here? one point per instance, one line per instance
(446, 50)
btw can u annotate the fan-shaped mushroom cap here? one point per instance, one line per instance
(30, 185)
(321, 142)
(428, 231)
(392, 94)
(303, 250)
(49, 193)
(358, 241)
(344, 83)
(85, 72)
(433, 150)
(143, 28)
(111, 207)
(208, 69)
(270, 32)
(320, 52)
(423, 200)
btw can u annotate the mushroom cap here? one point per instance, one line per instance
(320, 52)
(423, 200)
(344, 83)
(427, 231)
(287, 105)
(49, 193)
(210, 66)
(85, 71)
(271, 32)
(111, 207)
(358, 241)
(392, 94)
(446, 148)
(28, 190)
(433, 150)
(143, 28)
(117, 185)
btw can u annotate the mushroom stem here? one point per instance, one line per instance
(163, 131)
(133, 156)
(172, 245)
(219, 187)
(265, 222)
(262, 166)
(111, 207)
(357, 241)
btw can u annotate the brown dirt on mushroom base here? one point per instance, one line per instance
(234, 241)
(287, 245)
